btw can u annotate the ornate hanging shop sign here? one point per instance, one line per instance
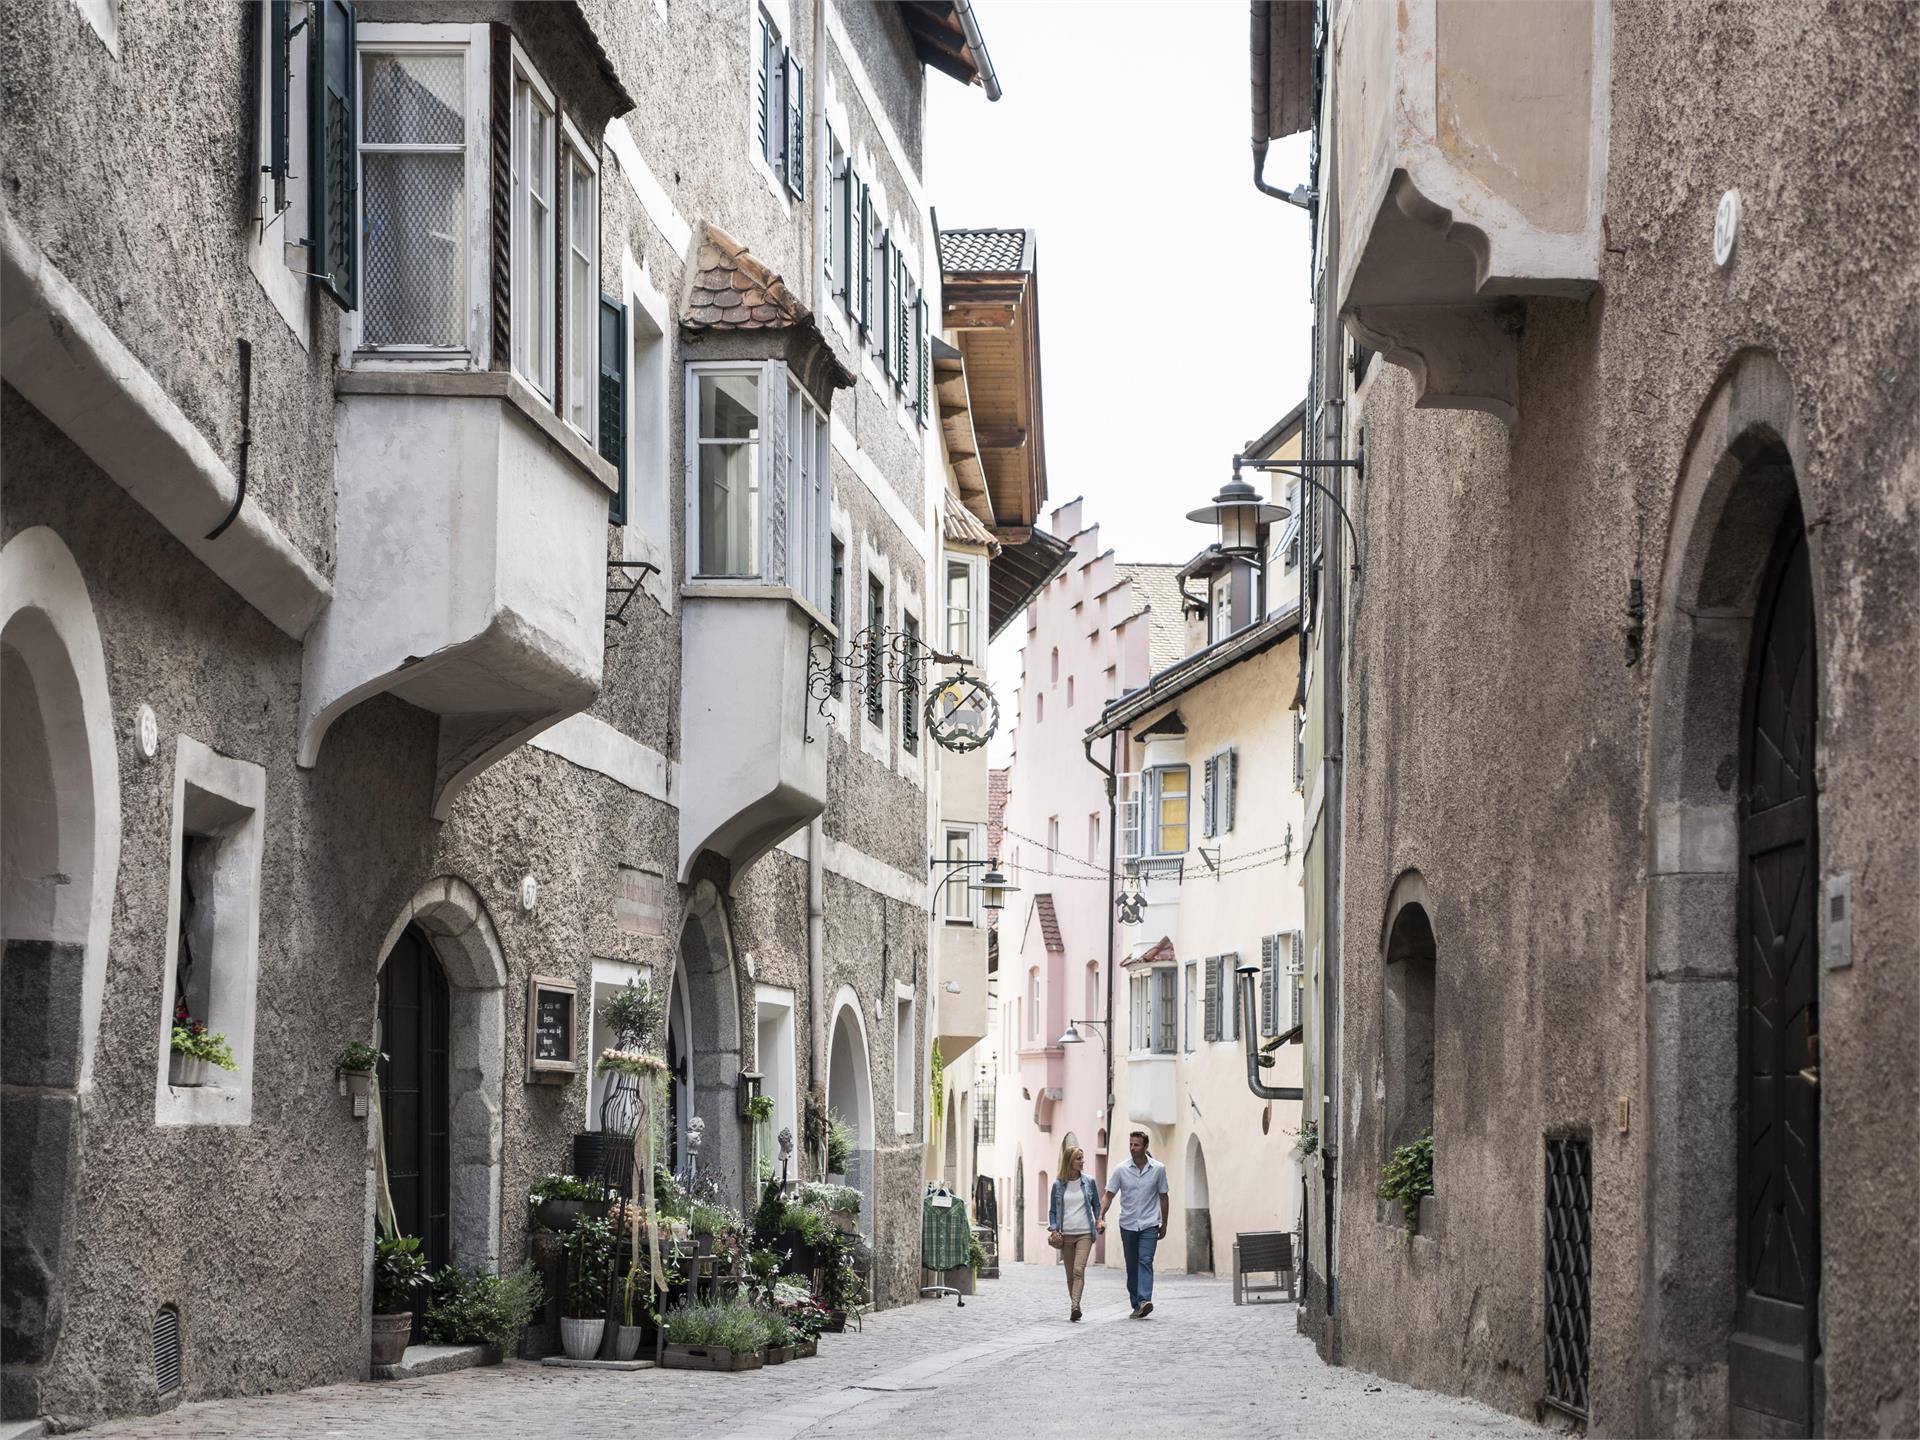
(959, 712)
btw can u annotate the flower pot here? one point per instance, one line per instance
(184, 1071)
(359, 1082)
(778, 1354)
(563, 1215)
(836, 1322)
(626, 1341)
(581, 1338)
(390, 1336)
(708, 1357)
(805, 1349)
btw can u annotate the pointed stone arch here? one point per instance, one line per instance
(706, 1029)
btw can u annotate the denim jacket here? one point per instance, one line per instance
(1056, 1202)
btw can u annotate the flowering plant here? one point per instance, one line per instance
(640, 1063)
(565, 1187)
(196, 1042)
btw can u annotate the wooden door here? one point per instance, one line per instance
(414, 1104)
(1774, 1372)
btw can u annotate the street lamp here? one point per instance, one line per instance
(1239, 512)
(993, 890)
(1073, 1035)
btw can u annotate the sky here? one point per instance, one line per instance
(1174, 308)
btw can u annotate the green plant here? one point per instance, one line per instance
(1307, 1139)
(937, 1078)
(760, 1107)
(780, 1331)
(976, 1257)
(763, 1265)
(565, 1187)
(735, 1324)
(839, 1144)
(669, 1199)
(706, 1218)
(589, 1257)
(810, 1227)
(835, 1199)
(198, 1043)
(633, 1013)
(399, 1270)
(358, 1056)
(478, 1308)
(1408, 1176)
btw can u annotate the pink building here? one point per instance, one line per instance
(1096, 631)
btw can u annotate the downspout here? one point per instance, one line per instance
(816, 828)
(983, 62)
(1113, 855)
(1260, 51)
(1248, 1001)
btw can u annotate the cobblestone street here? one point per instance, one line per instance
(1007, 1364)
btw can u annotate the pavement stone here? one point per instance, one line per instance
(1008, 1363)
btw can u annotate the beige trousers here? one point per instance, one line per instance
(1073, 1254)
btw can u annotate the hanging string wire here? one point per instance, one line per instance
(1239, 864)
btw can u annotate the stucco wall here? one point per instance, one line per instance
(1498, 738)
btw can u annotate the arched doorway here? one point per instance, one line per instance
(850, 1094)
(1199, 1213)
(1732, 966)
(59, 860)
(703, 1043)
(416, 1111)
(1411, 961)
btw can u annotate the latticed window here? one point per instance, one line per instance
(413, 165)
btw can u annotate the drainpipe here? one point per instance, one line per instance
(1113, 855)
(970, 27)
(1260, 49)
(817, 960)
(1249, 1003)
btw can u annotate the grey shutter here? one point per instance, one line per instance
(902, 319)
(796, 89)
(1211, 1027)
(849, 217)
(613, 399)
(865, 238)
(910, 691)
(1229, 787)
(333, 134)
(763, 90)
(835, 208)
(886, 304)
(923, 347)
(1269, 983)
(1209, 793)
(280, 77)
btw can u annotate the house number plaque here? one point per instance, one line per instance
(551, 1028)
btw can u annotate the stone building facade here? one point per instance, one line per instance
(1623, 900)
(425, 540)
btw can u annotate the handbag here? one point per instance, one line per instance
(1056, 1240)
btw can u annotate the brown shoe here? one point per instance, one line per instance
(1146, 1309)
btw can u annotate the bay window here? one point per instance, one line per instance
(959, 894)
(532, 179)
(760, 484)
(1152, 1010)
(960, 609)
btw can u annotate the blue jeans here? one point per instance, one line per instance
(1139, 1246)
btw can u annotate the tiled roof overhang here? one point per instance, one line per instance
(1029, 557)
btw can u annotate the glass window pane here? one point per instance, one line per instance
(412, 99)
(958, 907)
(729, 508)
(414, 212)
(729, 407)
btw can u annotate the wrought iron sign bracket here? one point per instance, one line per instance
(960, 712)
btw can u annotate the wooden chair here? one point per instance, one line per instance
(1261, 1252)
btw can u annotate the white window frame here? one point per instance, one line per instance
(477, 353)
(1139, 1011)
(276, 248)
(975, 618)
(974, 840)
(1035, 1003)
(1165, 997)
(574, 148)
(1150, 811)
(809, 497)
(765, 375)
(526, 81)
(906, 1060)
(779, 1073)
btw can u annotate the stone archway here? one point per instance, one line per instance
(1410, 970)
(704, 1032)
(59, 861)
(1199, 1216)
(1737, 501)
(454, 920)
(850, 1092)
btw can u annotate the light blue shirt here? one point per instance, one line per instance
(1140, 1189)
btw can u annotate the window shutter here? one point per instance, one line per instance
(279, 76)
(923, 344)
(886, 305)
(1130, 829)
(910, 692)
(1209, 791)
(1230, 764)
(1211, 1028)
(763, 90)
(849, 216)
(613, 400)
(830, 248)
(333, 129)
(1230, 983)
(796, 128)
(902, 282)
(1269, 981)
(865, 289)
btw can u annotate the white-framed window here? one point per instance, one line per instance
(213, 930)
(962, 843)
(533, 152)
(1190, 1015)
(609, 978)
(961, 605)
(1093, 840)
(1153, 1010)
(1139, 1010)
(1053, 841)
(773, 1057)
(1092, 1012)
(906, 1066)
(1033, 1005)
(581, 283)
(1220, 607)
(1168, 809)
(422, 108)
(732, 534)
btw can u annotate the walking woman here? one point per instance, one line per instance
(1073, 1218)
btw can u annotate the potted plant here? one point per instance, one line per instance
(636, 1301)
(195, 1048)
(589, 1247)
(730, 1335)
(561, 1201)
(779, 1338)
(479, 1308)
(839, 1144)
(356, 1064)
(399, 1272)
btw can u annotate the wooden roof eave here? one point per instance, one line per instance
(952, 395)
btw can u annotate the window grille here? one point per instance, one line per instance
(1569, 1264)
(166, 1349)
(413, 167)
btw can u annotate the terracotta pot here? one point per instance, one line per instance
(390, 1336)
(581, 1338)
(184, 1072)
(626, 1341)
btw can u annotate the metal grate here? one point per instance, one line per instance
(415, 214)
(1569, 1268)
(166, 1349)
(412, 99)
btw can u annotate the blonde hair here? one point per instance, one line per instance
(1067, 1152)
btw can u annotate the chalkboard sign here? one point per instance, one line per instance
(550, 1030)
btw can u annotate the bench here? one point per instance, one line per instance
(1263, 1252)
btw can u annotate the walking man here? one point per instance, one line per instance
(1141, 1187)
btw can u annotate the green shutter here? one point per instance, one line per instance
(923, 344)
(886, 305)
(333, 130)
(796, 128)
(279, 76)
(865, 290)
(613, 399)
(763, 89)
(849, 214)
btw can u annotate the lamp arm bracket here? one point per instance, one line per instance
(1297, 470)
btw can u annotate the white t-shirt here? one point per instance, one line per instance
(1074, 1219)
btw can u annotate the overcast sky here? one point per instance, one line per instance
(1174, 310)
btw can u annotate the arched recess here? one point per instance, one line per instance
(704, 1030)
(1736, 520)
(59, 862)
(1199, 1211)
(850, 1092)
(1408, 1017)
(454, 920)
